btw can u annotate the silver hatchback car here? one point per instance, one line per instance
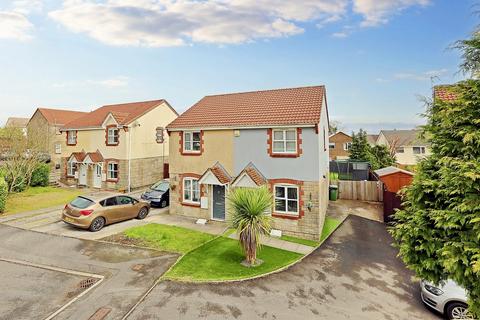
(448, 298)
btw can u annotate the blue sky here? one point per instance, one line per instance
(375, 57)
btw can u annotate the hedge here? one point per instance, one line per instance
(3, 194)
(40, 176)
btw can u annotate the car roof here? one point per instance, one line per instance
(102, 195)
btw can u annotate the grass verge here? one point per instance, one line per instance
(220, 259)
(35, 198)
(329, 226)
(167, 238)
(310, 243)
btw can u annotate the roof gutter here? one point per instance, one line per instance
(243, 127)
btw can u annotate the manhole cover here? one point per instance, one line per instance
(87, 283)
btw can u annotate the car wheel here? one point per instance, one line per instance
(163, 204)
(142, 213)
(97, 224)
(458, 310)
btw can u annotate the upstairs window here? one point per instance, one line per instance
(71, 138)
(58, 148)
(159, 135)
(399, 150)
(347, 146)
(331, 145)
(112, 136)
(284, 141)
(418, 150)
(192, 141)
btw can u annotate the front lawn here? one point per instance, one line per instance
(220, 260)
(167, 238)
(35, 198)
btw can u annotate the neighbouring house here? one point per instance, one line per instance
(118, 147)
(19, 123)
(339, 146)
(45, 124)
(372, 139)
(406, 144)
(277, 138)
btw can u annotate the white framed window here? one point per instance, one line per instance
(58, 148)
(347, 146)
(286, 199)
(284, 141)
(191, 190)
(331, 145)
(192, 141)
(399, 150)
(71, 168)
(112, 136)
(112, 171)
(72, 137)
(159, 135)
(418, 150)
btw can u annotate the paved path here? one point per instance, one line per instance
(341, 209)
(354, 275)
(129, 273)
(281, 244)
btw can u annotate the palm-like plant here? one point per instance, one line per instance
(249, 211)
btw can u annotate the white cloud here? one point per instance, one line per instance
(156, 23)
(14, 25)
(340, 34)
(377, 12)
(427, 75)
(120, 81)
(27, 6)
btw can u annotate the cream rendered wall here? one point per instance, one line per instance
(144, 141)
(218, 146)
(407, 157)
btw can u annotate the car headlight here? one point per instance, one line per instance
(433, 290)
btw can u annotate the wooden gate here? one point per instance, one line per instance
(360, 190)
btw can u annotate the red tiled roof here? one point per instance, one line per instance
(294, 106)
(79, 156)
(255, 175)
(445, 92)
(220, 173)
(60, 117)
(123, 113)
(95, 156)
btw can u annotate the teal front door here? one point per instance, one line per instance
(218, 199)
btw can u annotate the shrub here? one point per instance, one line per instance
(3, 194)
(40, 176)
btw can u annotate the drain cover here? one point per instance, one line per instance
(87, 283)
(100, 314)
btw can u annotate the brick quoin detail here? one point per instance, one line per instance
(107, 162)
(284, 155)
(189, 153)
(106, 136)
(180, 189)
(299, 184)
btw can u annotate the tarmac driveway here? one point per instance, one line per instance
(354, 275)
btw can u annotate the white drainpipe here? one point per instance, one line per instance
(130, 131)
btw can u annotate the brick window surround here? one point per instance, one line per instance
(180, 189)
(297, 183)
(106, 135)
(76, 138)
(109, 161)
(284, 155)
(191, 153)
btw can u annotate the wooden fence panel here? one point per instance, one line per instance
(360, 190)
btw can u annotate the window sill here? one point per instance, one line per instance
(191, 153)
(286, 216)
(191, 204)
(284, 155)
(112, 180)
(112, 144)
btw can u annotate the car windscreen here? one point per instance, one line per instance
(81, 203)
(160, 186)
